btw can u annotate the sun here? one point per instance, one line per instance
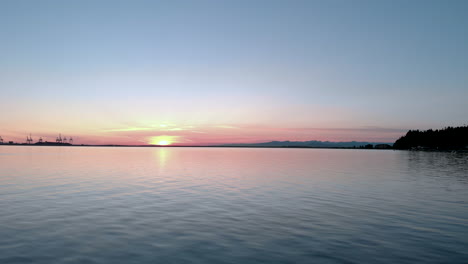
(163, 140)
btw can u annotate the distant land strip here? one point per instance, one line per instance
(446, 139)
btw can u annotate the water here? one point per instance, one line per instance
(231, 205)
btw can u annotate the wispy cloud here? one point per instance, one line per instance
(128, 129)
(161, 127)
(226, 126)
(174, 129)
(325, 129)
(200, 132)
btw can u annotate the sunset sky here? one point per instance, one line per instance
(209, 72)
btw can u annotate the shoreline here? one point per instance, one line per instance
(220, 146)
(185, 146)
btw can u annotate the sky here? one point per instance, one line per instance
(210, 72)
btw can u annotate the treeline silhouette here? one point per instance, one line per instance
(449, 138)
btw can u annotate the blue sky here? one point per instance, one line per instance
(85, 67)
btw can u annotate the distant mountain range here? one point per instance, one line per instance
(308, 144)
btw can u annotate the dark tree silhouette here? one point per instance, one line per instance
(443, 139)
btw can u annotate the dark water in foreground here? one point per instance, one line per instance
(229, 205)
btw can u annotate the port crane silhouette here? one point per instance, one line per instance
(64, 140)
(59, 139)
(29, 139)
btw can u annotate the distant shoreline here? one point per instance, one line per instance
(262, 147)
(178, 146)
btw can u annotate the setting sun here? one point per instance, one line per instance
(163, 140)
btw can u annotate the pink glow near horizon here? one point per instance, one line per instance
(172, 134)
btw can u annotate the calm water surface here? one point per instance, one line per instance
(231, 205)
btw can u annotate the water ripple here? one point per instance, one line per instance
(198, 205)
